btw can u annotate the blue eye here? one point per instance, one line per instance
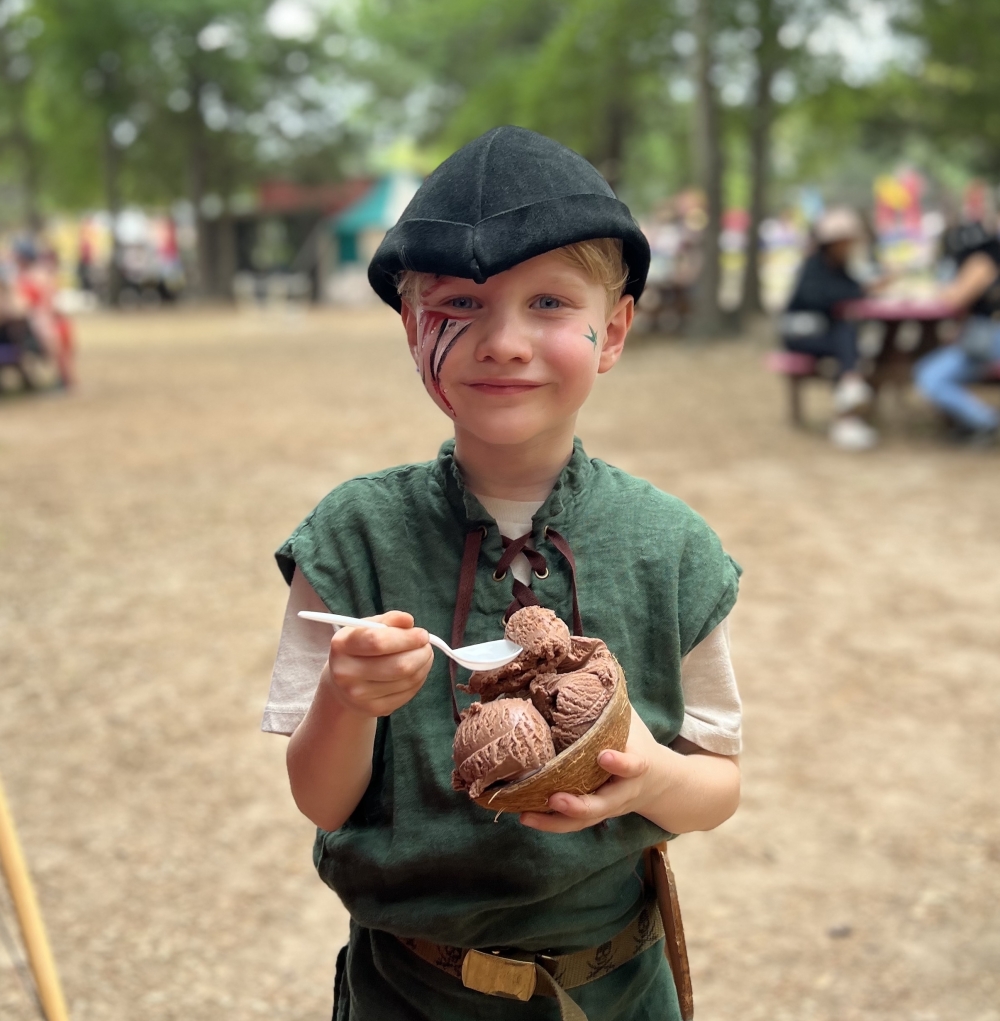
(462, 303)
(547, 301)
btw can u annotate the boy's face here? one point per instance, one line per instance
(514, 358)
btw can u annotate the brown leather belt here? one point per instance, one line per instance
(520, 975)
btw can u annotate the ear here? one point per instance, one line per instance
(619, 323)
(409, 318)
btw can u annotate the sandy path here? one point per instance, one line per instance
(139, 610)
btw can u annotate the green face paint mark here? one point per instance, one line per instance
(592, 336)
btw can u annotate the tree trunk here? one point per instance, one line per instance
(617, 115)
(761, 119)
(30, 170)
(614, 152)
(32, 187)
(203, 282)
(197, 175)
(112, 199)
(708, 319)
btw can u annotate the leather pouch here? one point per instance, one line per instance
(661, 877)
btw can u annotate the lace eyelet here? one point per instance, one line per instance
(504, 620)
(499, 577)
(483, 530)
(545, 532)
(540, 575)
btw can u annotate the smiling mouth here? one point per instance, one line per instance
(502, 387)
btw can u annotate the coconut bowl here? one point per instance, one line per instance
(575, 769)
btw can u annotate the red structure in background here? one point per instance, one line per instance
(278, 197)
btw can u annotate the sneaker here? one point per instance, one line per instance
(851, 393)
(962, 435)
(982, 438)
(851, 433)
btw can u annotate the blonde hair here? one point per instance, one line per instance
(600, 259)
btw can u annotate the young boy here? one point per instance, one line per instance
(515, 271)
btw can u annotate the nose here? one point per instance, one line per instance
(505, 339)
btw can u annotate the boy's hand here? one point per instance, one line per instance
(625, 791)
(678, 790)
(375, 671)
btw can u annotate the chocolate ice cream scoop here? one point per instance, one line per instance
(579, 698)
(542, 692)
(499, 740)
(602, 665)
(597, 662)
(580, 650)
(514, 677)
(545, 640)
(540, 633)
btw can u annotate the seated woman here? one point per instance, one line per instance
(942, 376)
(811, 324)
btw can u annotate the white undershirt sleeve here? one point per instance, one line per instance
(712, 709)
(303, 650)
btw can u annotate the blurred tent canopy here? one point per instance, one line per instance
(360, 227)
(152, 102)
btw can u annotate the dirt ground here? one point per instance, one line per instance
(139, 614)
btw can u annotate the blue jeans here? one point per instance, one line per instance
(941, 377)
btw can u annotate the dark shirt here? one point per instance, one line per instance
(962, 243)
(822, 286)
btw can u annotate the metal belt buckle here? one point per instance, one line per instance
(499, 976)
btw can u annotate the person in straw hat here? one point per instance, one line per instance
(515, 271)
(812, 323)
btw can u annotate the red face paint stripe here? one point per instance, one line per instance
(446, 332)
(454, 340)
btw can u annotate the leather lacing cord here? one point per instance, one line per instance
(523, 595)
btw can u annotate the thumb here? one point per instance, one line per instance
(395, 618)
(624, 764)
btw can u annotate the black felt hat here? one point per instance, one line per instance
(507, 196)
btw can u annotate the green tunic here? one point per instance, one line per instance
(419, 859)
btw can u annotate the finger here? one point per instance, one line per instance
(394, 618)
(554, 823)
(365, 641)
(611, 799)
(358, 641)
(373, 699)
(623, 764)
(383, 704)
(382, 669)
(369, 691)
(575, 806)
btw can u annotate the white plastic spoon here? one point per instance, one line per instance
(485, 656)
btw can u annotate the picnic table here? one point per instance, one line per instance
(909, 327)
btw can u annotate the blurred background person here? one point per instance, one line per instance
(36, 286)
(11, 310)
(813, 324)
(943, 376)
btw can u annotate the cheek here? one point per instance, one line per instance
(571, 354)
(437, 337)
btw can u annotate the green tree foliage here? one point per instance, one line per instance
(128, 101)
(952, 99)
(152, 100)
(591, 73)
